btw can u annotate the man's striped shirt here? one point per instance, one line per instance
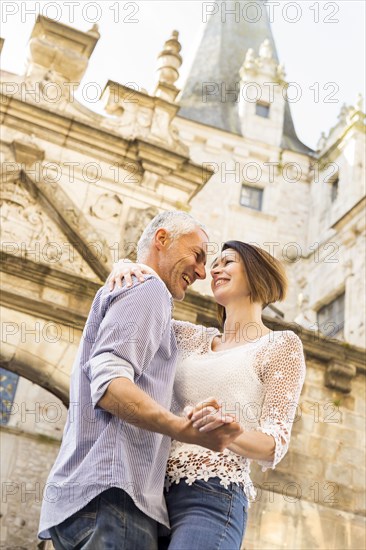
(128, 334)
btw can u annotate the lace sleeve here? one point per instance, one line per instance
(192, 338)
(283, 374)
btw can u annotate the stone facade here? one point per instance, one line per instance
(77, 188)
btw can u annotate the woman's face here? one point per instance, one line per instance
(229, 281)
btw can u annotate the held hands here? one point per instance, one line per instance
(213, 428)
(124, 269)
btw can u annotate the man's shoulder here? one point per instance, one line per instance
(153, 286)
(153, 290)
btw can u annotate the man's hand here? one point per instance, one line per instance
(216, 440)
(208, 415)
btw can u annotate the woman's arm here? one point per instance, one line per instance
(283, 376)
(208, 416)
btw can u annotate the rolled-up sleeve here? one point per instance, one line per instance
(129, 335)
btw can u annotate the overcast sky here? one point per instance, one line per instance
(321, 44)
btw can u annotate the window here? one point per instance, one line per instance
(334, 189)
(251, 197)
(262, 109)
(8, 386)
(331, 318)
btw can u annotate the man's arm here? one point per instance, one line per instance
(127, 401)
(128, 338)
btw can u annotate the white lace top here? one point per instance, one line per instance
(260, 382)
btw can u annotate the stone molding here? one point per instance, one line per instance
(339, 375)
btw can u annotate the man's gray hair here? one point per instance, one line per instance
(176, 222)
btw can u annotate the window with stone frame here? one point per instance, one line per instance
(331, 318)
(262, 109)
(251, 197)
(334, 189)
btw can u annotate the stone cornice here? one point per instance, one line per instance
(45, 310)
(44, 275)
(59, 33)
(334, 150)
(348, 216)
(105, 144)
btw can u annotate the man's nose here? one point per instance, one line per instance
(200, 271)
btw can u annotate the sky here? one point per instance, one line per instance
(320, 43)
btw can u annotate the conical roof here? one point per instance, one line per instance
(218, 60)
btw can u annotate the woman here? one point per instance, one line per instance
(257, 374)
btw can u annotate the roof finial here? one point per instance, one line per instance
(94, 30)
(169, 62)
(249, 62)
(265, 50)
(359, 102)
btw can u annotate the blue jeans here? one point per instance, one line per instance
(111, 521)
(206, 516)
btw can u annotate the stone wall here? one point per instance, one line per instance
(315, 498)
(30, 443)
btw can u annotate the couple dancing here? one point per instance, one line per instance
(162, 402)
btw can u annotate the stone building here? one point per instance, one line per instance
(77, 188)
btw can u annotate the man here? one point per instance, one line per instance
(106, 487)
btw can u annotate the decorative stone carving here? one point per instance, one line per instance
(58, 56)
(139, 115)
(60, 48)
(264, 64)
(88, 242)
(249, 62)
(106, 206)
(27, 231)
(339, 375)
(137, 221)
(265, 50)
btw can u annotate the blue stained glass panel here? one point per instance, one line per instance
(8, 387)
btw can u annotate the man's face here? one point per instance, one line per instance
(183, 261)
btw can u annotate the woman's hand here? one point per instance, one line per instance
(124, 269)
(208, 415)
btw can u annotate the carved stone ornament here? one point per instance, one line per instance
(106, 206)
(138, 115)
(264, 64)
(339, 375)
(137, 221)
(28, 231)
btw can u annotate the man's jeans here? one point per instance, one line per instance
(111, 521)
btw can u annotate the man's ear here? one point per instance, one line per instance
(161, 239)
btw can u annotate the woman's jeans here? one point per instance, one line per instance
(205, 516)
(110, 521)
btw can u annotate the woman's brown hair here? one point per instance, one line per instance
(266, 276)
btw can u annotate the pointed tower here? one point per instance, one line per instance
(212, 92)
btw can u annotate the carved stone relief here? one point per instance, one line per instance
(106, 206)
(27, 231)
(137, 221)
